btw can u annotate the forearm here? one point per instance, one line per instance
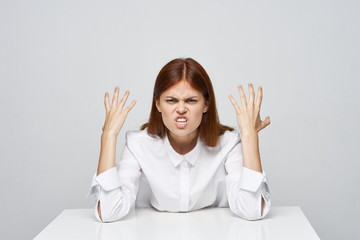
(107, 153)
(251, 155)
(250, 151)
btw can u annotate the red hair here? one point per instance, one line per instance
(191, 71)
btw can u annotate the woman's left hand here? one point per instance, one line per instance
(248, 115)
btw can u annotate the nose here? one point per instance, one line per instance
(181, 109)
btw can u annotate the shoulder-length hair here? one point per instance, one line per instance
(191, 71)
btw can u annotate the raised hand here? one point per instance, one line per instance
(115, 115)
(248, 115)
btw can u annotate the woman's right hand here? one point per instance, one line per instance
(115, 115)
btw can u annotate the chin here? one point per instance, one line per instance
(181, 132)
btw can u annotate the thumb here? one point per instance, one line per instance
(266, 121)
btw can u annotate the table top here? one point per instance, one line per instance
(209, 223)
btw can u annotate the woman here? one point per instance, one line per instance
(183, 159)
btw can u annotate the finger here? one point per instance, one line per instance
(242, 97)
(123, 100)
(107, 104)
(259, 98)
(267, 120)
(115, 97)
(265, 123)
(234, 103)
(102, 128)
(128, 108)
(252, 94)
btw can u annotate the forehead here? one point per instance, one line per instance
(181, 89)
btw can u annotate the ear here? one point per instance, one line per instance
(206, 108)
(157, 105)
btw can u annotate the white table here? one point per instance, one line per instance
(209, 223)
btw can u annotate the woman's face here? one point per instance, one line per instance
(182, 109)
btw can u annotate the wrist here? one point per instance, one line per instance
(249, 134)
(108, 136)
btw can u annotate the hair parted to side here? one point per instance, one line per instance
(187, 69)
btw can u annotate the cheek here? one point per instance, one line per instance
(198, 115)
(166, 115)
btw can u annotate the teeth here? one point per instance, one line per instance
(181, 120)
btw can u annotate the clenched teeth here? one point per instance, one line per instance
(181, 120)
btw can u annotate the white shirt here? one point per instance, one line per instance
(151, 173)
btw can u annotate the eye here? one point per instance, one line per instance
(191, 100)
(170, 100)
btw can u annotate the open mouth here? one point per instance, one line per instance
(181, 122)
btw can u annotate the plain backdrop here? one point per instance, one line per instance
(58, 58)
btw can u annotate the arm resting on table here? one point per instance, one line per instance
(248, 190)
(115, 189)
(249, 197)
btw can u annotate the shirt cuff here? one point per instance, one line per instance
(109, 179)
(93, 188)
(250, 180)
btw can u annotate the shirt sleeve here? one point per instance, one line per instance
(116, 188)
(245, 187)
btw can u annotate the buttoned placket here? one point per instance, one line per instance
(184, 188)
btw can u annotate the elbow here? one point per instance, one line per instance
(248, 212)
(108, 214)
(110, 217)
(253, 216)
(248, 215)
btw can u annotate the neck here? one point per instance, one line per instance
(183, 144)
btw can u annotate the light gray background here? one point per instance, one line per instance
(58, 58)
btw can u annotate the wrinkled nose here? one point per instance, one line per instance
(181, 109)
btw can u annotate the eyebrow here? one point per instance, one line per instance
(176, 97)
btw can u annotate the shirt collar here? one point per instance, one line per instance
(177, 158)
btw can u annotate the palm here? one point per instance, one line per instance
(115, 114)
(248, 115)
